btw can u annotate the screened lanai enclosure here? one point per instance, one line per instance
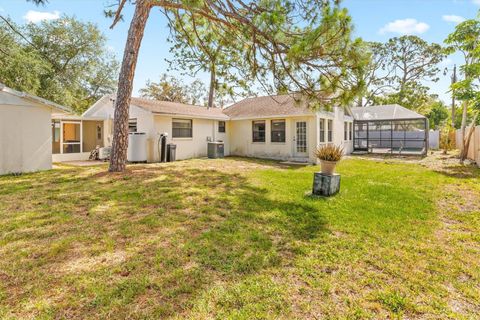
(389, 129)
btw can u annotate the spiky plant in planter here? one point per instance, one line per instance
(329, 155)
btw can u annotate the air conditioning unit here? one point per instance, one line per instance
(104, 153)
(215, 150)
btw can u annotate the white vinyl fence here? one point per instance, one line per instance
(434, 139)
(474, 148)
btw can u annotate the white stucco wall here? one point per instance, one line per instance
(241, 140)
(241, 143)
(194, 147)
(25, 135)
(238, 136)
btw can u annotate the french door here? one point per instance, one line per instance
(301, 139)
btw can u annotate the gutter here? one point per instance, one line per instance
(25, 95)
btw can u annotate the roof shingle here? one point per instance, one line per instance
(268, 106)
(176, 108)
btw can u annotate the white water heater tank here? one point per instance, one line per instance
(137, 147)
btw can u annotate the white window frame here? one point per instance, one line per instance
(191, 128)
(329, 131)
(62, 143)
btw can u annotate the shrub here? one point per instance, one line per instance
(447, 138)
(329, 152)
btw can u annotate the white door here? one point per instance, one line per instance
(300, 139)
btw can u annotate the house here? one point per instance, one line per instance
(278, 127)
(25, 131)
(274, 127)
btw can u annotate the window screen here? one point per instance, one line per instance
(278, 131)
(221, 126)
(330, 133)
(181, 128)
(258, 134)
(132, 125)
(322, 130)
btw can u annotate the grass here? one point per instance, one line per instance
(240, 239)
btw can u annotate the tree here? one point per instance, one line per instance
(171, 89)
(376, 76)
(62, 60)
(414, 60)
(311, 57)
(198, 44)
(167, 89)
(438, 114)
(20, 67)
(411, 61)
(466, 39)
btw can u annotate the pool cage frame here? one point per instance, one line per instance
(393, 136)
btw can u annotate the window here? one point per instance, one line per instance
(182, 128)
(221, 126)
(345, 131)
(99, 132)
(278, 131)
(350, 129)
(71, 137)
(56, 130)
(132, 125)
(322, 130)
(329, 128)
(258, 131)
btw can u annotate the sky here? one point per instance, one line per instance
(374, 20)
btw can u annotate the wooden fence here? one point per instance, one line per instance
(474, 148)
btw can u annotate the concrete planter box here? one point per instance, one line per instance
(325, 184)
(328, 167)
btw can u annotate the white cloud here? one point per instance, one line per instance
(37, 16)
(453, 18)
(1, 9)
(477, 2)
(405, 26)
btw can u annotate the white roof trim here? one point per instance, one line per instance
(36, 99)
(96, 105)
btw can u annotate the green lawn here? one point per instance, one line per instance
(240, 239)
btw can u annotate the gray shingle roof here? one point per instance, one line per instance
(268, 106)
(181, 109)
(384, 112)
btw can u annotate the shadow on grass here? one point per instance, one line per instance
(461, 172)
(267, 162)
(172, 231)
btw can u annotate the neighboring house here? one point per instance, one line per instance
(25, 131)
(274, 127)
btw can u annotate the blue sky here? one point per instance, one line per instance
(375, 20)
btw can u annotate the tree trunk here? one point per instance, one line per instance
(211, 92)
(118, 156)
(462, 128)
(466, 141)
(454, 80)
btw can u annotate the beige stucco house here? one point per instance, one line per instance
(25, 131)
(274, 127)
